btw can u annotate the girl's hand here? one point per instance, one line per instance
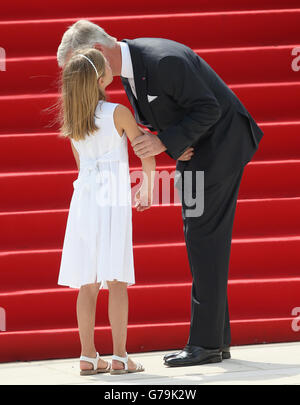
(187, 155)
(143, 199)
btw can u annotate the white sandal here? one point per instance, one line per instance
(124, 360)
(94, 361)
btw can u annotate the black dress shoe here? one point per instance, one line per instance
(193, 355)
(225, 353)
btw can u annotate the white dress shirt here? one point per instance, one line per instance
(127, 69)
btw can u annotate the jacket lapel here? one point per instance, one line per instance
(140, 79)
(131, 98)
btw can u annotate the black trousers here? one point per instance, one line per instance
(208, 242)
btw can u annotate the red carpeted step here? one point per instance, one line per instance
(270, 179)
(56, 308)
(158, 263)
(59, 154)
(23, 230)
(271, 147)
(230, 29)
(36, 9)
(64, 343)
(274, 102)
(266, 257)
(252, 64)
(254, 218)
(53, 190)
(36, 145)
(267, 217)
(40, 74)
(257, 65)
(254, 97)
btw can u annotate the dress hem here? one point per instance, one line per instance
(101, 287)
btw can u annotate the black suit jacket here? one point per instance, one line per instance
(194, 107)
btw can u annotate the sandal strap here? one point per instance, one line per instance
(93, 360)
(108, 366)
(124, 360)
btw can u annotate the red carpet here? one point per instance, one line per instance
(243, 43)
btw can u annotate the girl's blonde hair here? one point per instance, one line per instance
(80, 93)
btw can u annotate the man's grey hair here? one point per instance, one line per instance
(82, 34)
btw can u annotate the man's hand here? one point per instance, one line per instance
(147, 145)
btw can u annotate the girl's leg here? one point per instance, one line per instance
(118, 318)
(86, 313)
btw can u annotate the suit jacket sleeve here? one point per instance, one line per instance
(181, 81)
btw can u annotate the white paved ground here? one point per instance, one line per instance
(268, 364)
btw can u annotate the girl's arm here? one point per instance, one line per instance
(76, 156)
(125, 121)
(146, 190)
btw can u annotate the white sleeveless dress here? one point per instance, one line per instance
(98, 238)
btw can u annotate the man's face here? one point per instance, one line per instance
(108, 73)
(68, 57)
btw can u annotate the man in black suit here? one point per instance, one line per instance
(193, 107)
(175, 92)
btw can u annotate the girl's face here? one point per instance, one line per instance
(105, 80)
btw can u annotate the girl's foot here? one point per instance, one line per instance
(85, 365)
(119, 365)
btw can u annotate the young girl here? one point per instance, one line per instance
(97, 250)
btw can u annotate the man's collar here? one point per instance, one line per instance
(126, 69)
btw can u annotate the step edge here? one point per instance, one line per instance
(254, 282)
(152, 15)
(144, 325)
(159, 167)
(236, 87)
(263, 240)
(156, 206)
